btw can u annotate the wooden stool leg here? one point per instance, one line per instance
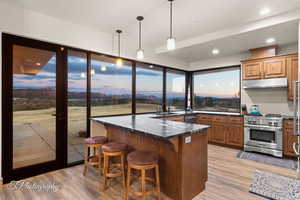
(106, 165)
(100, 161)
(157, 181)
(86, 158)
(143, 184)
(123, 170)
(128, 182)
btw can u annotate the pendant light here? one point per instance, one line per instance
(119, 61)
(171, 43)
(140, 51)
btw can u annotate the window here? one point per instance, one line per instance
(175, 89)
(77, 104)
(149, 87)
(217, 90)
(111, 86)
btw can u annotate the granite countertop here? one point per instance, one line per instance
(150, 124)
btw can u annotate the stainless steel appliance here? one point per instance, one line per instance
(265, 83)
(296, 145)
(263, 134)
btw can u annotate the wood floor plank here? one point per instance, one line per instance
(229, 178)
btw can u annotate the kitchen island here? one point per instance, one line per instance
(182, 148)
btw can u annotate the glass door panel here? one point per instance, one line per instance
(34, 106)
(77, 105)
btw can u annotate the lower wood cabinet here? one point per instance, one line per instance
(175, 118)
(288, 138)
(225, 130)
(235, 135)
(218, 133)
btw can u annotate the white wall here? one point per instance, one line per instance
(23, 22)
(269, 100)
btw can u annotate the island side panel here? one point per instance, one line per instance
(169, 158)
(194, 165)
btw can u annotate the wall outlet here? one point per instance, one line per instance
(188, 139)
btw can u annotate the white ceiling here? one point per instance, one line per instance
(286, 33)
(192, 18)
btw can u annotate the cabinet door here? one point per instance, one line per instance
(252, 70)
(235, 135)
(204, 122)
(275, 68)
(218, 133)
(289, 139)
(292, 74)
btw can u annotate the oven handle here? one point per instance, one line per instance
(261, 127)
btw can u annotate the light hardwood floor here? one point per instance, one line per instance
(228, 179)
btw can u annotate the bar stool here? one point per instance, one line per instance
(110, 150)
(94, 159)
(143, 160)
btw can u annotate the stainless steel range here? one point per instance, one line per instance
(263, 134)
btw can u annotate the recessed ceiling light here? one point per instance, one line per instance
(215, 51)
(150, 66)
(264, 11)
(103, 68)
(270, 40)
(38, 64)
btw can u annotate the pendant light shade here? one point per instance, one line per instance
(171, 42)
(119, 61)
(140, 51)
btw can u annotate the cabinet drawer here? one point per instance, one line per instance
(289, 124)
(205, 117)
(235, 120)
(177, 118)
(219, 118)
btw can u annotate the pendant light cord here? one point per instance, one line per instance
(140, 35)
(171, 20)
(119, 45)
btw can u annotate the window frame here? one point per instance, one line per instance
(212, 70)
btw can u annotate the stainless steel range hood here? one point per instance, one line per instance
(265, 83)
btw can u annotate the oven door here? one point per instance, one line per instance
(263, 136)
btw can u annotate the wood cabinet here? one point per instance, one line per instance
(206, 120)
(234, 135)
(225, 130)
(292, 74)
(175, 118)
(274, 68)
(271, 67)
(252, 70)
(218, 133)
(288, 138)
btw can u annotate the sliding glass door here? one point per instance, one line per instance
(33, 113)
(77, 104)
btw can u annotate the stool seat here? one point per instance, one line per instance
(96, 140)
(142, 158)
(114, 147)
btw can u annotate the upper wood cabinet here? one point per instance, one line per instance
(274, 68)
(271, 67)
(252, 70)
(292, 74)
